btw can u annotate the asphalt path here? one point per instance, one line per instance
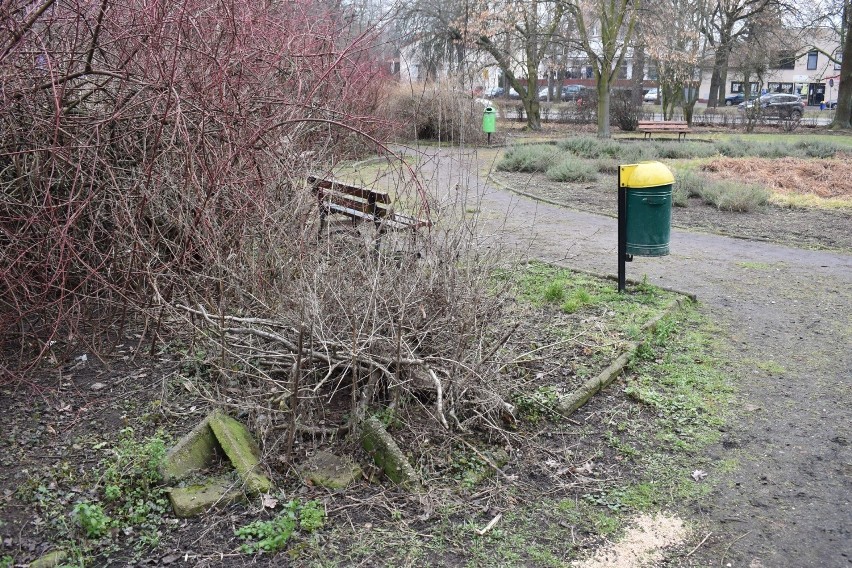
(787, 320)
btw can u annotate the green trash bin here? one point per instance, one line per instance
(489, 120)
(648, 207)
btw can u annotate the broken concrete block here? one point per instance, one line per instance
(194, 452)
(216, 436)
(475, 476)
(50, 560)
(387, 455)
(199, 498)
(328, 470)
(238, 444)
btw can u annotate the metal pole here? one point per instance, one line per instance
(622, 234)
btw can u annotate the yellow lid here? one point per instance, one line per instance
(645, 174)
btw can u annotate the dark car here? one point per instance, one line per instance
(777, 106)
(734, 99)
(571, 92)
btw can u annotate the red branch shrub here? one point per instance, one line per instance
(146, 144)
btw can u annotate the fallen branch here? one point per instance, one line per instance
(490, 525)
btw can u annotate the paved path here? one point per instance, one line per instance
(786, 310)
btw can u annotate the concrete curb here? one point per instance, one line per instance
(571, 403)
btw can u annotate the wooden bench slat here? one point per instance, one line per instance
(336, 197)
(340, 187)
(650, 126)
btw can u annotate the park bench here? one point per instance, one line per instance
(360, 204)
(648, 127)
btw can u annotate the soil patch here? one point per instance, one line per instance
(806, 228)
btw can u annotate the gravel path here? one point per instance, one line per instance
(787, 314)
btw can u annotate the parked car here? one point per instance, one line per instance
(735, 99)
(493, 92)
(542, 94)
(831, 105)
(513, 94)
(778, 106)
(651, 96)
(571, 92)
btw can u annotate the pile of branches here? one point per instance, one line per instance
(357, 331)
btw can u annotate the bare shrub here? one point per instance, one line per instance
(435, 111)
(623, 112)
(153, 177)
(145, 150)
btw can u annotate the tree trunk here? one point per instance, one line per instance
(603, 105)
(843, 115)
(533, 109)
(713, 96)
(720, 72)
(638, 73)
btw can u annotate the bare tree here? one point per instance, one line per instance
(723, 26)
(517, 36)
(604, 29)
(671, 31)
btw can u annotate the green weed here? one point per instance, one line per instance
(540, 404)
(92, 519)
(684, 150)
(771, 367)
(554, 292)
(751, 265)
(817, 148)
(274, 534)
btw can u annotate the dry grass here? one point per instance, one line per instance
(827, 179)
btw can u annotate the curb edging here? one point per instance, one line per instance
(574, 401)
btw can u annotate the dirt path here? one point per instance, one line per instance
(788, 317)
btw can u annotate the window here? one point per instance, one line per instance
(812, 60)
(738, 87)
(786, 59)
(780, 88)
(838, 58)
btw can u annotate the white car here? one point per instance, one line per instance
(651, 96)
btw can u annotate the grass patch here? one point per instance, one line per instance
(727, 195)
(541, 284)
(535, 158)
(572, 169)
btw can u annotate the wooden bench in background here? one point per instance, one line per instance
(360, 204)
(648, 127)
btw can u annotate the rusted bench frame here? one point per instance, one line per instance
(360, 204)
(648, 127)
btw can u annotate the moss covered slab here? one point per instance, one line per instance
(387, 455)
(194, 452)
(50, 560)
(241, 449)
(328, 470)
(201, 497)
